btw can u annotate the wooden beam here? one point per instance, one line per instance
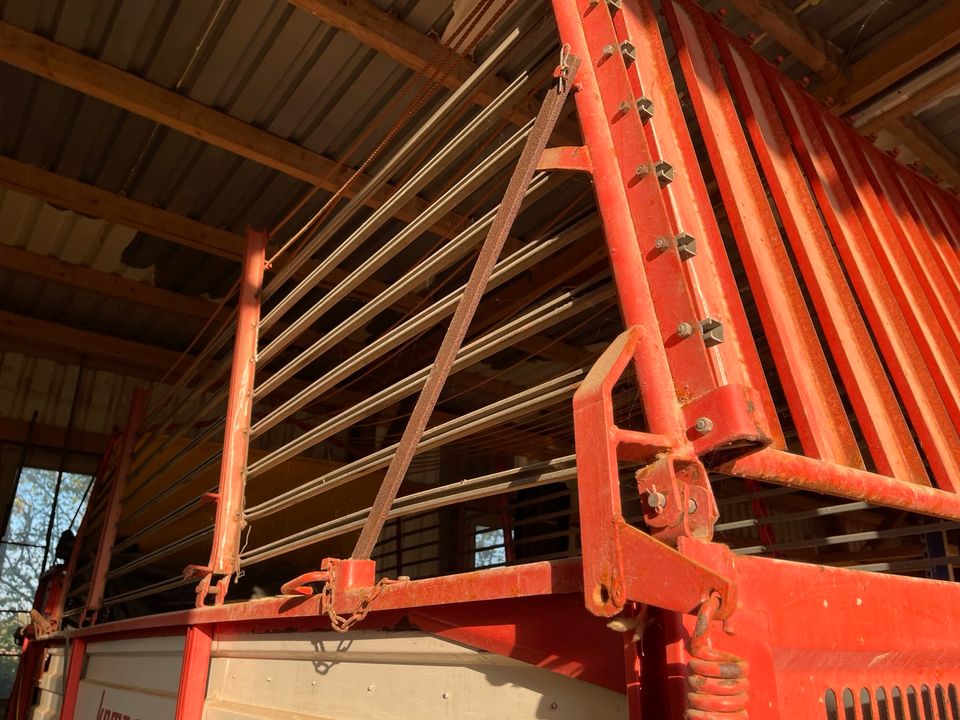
(782, 24)
(49, 339)
(52, 437)
(94, 202)
(927, 147)
(105, 82)
(909, 104)
(896, 58)
(105, 284)
(386, 34)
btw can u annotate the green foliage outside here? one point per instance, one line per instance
(20, 563)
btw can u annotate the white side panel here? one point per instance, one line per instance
(379, 675)
(131, 679)
(51, 686)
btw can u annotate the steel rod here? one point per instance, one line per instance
(792, 517)
(382, 177)
(501, 411)
(553, 471)
(420, 273)
(425, 319)
(849, 537)
(543, 316)
(463, 140)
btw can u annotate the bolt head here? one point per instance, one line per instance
(703, 425)
(661, 244)
(684, 330)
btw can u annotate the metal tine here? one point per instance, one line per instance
(426, 318)
(791, 517)
(500, 411)
(196, 440)
(153, 589)
(517, 405)
(545, 315)
(179, 482)
(161, 522)
(412, 279)
(422, 134)
(555, 471)
(224, 335)
(144, 446)
(474, 179)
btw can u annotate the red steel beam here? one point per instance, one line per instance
(815, 404)
(709, 275)
(868, 389)
(194, 671)
(108, 531)
(889, 324)
(224, 555)
(76, 648)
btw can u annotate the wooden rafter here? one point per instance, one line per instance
(105, 284)
(896, 58)
(848, 87)
(42, 338)
(913, 102)
(51, 437)
(783, 25)
(103, 81)
(94, 202)
(387, 34)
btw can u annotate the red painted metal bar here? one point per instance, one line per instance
(678, 379)
(914, 240)
(225, 552)
(945, 224)
(803, 473)
(873, 400)
(815, 405)
(707, 265)
(848, 153)
(194, 672)
(108, 531)
(932, 240)
(76, 649)
(103, 477)
(919, 394)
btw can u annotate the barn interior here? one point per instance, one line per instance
(372, 141)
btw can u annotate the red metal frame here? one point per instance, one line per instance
(225, 551)
(108, 531)
(194, 672)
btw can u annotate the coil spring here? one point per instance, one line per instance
(717, 679)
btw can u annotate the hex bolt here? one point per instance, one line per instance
(657, 500)
(628, 50)
(645, 108)
(664, 172)
(684, 330)
(703, 425)
(624, 107)
(712, 330)
(691, 506)
(642, 171)
(608, 50)
(662, 244)
(686, 245)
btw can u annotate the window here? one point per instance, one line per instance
(21, 551)
(489, 547)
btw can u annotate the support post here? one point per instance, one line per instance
(108, 533)
(71, 681)
(225, 552)
(194, 672)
